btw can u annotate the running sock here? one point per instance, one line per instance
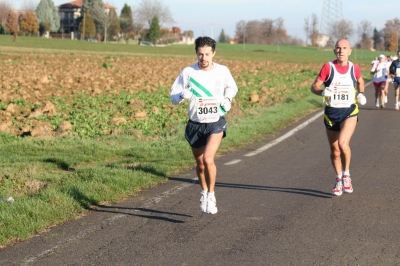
(339, 176)
(211, 194)
(204, 192)
(346, 172)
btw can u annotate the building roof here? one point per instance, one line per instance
(78, 4)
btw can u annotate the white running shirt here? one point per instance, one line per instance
(208, 89)
(382, 70)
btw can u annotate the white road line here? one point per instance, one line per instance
(233, 162)
(285, 136)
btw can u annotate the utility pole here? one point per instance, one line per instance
(84, 13)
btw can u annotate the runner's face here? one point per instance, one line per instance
(342, 51)
(205, 56)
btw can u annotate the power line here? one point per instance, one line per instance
(332, 11)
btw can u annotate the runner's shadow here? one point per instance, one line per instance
(133, 212)
(300, 191)
(93, 205)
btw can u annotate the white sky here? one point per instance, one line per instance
(209, 17)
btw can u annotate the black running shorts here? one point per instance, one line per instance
(333, 117)
(197, 133)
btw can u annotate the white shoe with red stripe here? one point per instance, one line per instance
(347, 186)
(338, 188)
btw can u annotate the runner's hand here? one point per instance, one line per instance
(361, 98)
(186, 94)
(327, 92)
(226, 104)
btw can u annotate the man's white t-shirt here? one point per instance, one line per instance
(208, 89)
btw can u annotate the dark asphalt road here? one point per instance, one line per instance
(275, 208)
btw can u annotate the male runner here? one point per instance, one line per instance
(340, 78)
(394, 70)
(209, 87)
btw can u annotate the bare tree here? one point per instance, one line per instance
(152, 8)
(268, 31)
(314, 32)
(253, 31)
(365, 31)
(341, 29)
(240, 32)
(391, 34)
(281, 35)
(5, 8)
(306, 28)
(12, 24)
(100, 15)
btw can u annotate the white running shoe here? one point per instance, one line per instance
(203, 202)
(386, 99)
(338, 188)
(377, 104)
(347, 186)
(211, 205)
(396, 106)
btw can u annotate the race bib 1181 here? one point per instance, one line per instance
(343, 96)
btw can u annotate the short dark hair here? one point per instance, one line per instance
(204, 41)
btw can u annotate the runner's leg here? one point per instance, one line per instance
(211, 148)
(382, 93)
(333, 138)
(198, 154)
(377, 95)
(348, 127)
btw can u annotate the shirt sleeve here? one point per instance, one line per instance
(230, 86)
(325, 72)
(177, 88)
(357, 72)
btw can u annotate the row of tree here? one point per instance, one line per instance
(272, 31)
(93, 21)
(367, 36)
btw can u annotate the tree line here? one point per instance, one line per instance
(144, 22)
(386, 39)
(272, 31)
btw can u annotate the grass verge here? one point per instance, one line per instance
(60, 178)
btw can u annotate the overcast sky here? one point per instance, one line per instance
(209, 17)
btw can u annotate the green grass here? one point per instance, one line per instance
(253, 52)
(56, 179)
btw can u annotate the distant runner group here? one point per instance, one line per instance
(386, 70)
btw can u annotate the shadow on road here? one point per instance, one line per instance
(133, 211)
(300, 191)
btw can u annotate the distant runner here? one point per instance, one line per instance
(380, 71)
(340, 78)
(394, 70)
(209, 88)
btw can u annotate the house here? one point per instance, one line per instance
(70, 13)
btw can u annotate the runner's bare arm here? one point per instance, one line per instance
(361, 85)
(316, 87)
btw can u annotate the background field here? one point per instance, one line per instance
(124, 135)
